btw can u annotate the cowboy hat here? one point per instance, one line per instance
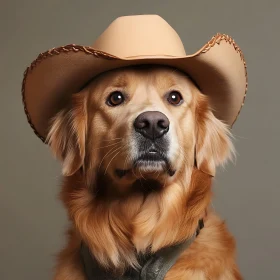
(218, 68)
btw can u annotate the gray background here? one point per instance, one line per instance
(246, 194)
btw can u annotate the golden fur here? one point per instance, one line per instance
(119, 217)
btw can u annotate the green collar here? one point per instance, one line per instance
(153, 267)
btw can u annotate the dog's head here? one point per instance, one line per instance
(139, 123)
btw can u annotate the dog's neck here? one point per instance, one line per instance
(151, 266)
(117, 230)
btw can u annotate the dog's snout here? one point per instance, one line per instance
(152, 124)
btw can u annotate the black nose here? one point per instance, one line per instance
(152, 124)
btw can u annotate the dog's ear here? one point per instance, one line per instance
(213, 139)
(67, 135)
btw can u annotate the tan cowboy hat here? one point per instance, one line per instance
(218, 68)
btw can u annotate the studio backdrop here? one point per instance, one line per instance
(246, 193)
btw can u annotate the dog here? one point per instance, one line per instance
(139, 147)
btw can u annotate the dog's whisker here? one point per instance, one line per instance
(118, 138)
(124, 164)
(108, 145)
(126, 159)
(110, 152)
(141, 174)
(158, 174)
(134, 173)
(111, 161)
(127, 156)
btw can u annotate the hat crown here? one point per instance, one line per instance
(140, 35)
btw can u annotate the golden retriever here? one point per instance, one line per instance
(139, 147)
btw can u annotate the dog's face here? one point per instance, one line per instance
(144, 123)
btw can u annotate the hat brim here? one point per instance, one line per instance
(218, 68)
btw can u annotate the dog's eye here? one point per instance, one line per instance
(175, 98)
(115, 98)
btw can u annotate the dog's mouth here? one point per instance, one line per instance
(152, 155)
(149, 162)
